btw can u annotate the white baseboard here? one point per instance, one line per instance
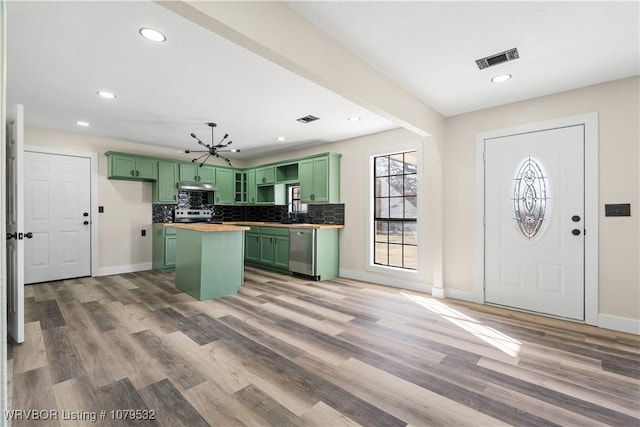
(622, 324)
(470, 296)
(437, 292)
(386, 280)
(121, 269)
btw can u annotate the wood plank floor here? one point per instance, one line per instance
(288, 352)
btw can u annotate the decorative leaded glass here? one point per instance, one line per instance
(531, 197)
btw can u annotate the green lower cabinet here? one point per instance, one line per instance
(164, 249)
(281, 252)
(268, 247)
(252, 246)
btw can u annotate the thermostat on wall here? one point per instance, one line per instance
(618, 209)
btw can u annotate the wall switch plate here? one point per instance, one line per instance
(100, 209)
(617, 209)
(143, 233)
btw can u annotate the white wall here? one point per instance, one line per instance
(617, 104)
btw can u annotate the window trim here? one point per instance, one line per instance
(371, 266)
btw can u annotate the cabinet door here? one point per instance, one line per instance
(281, 252)
(225, 182)
(206, 174)
(266, 249)
(265, 175)
(165, 189)
(188, 172)
(122, 166)
(251, 187)
(320, 180)
(305, 174)
(170, 251)
(252, 247)
(146, 169)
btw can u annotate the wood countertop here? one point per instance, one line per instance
(279, 225)
(209, 228)
(245, 225)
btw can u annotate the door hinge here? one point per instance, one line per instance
(484, 157)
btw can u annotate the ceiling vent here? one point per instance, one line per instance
(308, 119)
(498, 58)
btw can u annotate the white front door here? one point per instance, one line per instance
(534, 221)
(15, 229)
(58, 213)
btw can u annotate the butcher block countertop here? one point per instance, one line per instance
(209, 228)
(243, 225)
(277, 224)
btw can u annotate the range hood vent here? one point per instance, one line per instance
(196, 186)
(498, 58)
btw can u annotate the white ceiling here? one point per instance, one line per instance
(60, 53)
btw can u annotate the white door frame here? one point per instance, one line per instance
(591, 214)
(94, 193)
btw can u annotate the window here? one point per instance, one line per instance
(395, 210)
(295, 205)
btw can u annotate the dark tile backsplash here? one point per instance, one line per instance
(316, 214)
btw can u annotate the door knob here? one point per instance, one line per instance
(12, 236)
(86, 222)
(85, 214)
(28, 235)
(575, 232)
(575, 218)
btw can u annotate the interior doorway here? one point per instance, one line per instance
(60, 213)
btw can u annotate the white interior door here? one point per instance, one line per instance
(15, 236)
(534, 221)
(58, 214)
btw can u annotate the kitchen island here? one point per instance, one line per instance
(209, 259)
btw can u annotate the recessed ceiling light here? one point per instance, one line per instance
(82, 123)
(151, 34)
(354, 119)
(501, 78)
(106, 95)
(281, 138)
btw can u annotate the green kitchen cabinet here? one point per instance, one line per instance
(165, 189)
(226, 184)
(266, 175)
(252, 245)
(164, 248)
(195, 172)
(251, 187)
(320, 179)
(131, 167)
(240, 188)
(281, 251)
(268, 247)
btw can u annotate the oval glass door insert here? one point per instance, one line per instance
(531, 197)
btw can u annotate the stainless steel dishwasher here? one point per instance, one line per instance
(302, 251)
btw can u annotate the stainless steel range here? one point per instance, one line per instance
(195, 215)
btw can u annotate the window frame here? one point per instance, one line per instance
(374, 219)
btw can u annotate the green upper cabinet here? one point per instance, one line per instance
(131, 167)
(226, 184)
(195, 172)
(320, 179)
(265, 175)
(240, 188)
(165, 189)
(251, 186)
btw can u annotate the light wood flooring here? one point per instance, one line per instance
(288, 352)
